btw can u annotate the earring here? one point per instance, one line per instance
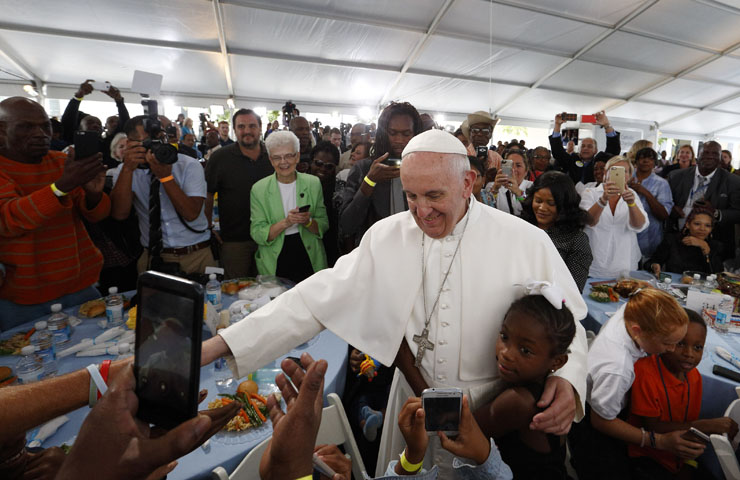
(552, 371)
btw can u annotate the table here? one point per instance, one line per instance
(200, 462)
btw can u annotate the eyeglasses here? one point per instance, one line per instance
(287, 156)
(324, 165)
(476, 131)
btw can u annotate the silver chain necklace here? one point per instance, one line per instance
(423, 339)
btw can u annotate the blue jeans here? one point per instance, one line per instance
(13, 314)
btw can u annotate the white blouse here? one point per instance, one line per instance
(503, 204)
(613, 240)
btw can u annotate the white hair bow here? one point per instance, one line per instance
(550, 291)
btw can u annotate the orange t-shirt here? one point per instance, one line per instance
(649, 400)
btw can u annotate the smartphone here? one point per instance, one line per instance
(616, 175)
(482, 152)
(304, 208)
(588, 118)
(569, 117)
(169, 324)
(726, 372)
(506, 166)
(442, 407)
(392, 162)
(102, 86)
(696, 435)
(87, 144)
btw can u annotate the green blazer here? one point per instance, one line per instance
(267, 209)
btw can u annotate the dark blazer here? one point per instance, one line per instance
(723, 193)
(566, 162)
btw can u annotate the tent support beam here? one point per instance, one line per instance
(218, 13)
(416, 52)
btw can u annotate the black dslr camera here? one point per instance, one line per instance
(164, 152)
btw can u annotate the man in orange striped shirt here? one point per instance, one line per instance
(46, 252)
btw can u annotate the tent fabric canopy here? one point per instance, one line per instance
(673, 62)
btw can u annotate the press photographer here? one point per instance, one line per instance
(289, 111)
(156, 179)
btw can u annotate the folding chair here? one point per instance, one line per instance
(724, 447)
(334, 430)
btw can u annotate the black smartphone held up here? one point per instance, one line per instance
(87, 144)
(304, 208)
(169, 323)
(442, 407)
(481, 152)
(569, 117)
(392, 162)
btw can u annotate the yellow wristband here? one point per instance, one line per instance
(310, 221)
(370, 182)
(307, 477)
(166, 179)
(58, 192)
(79, 99)
(631, 204)
(410, 467)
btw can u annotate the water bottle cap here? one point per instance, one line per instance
(57, 307)
(40, 325)
(697, 276)
(28, 350)
(113, 290)
(667, 280)
(212, 276)
(123, 347)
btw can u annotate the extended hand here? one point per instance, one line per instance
(637, 187)
(113, 93)
(675, 443)
(470, 442)
(133, 155)
(628, 196)
(601, 118)
(80, 172)
(86, 88)
(160, 170)
(335, 459)
(380, 172)
(560, 401)
(411, 424)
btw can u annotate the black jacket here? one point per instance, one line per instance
(567, 162)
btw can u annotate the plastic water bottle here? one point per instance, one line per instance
(724, 314)
(30, 368)
(114, 308)
(225, 382)
(711, 283)
(213, 291)
(665, 284)
(58, 325)
(43, 342)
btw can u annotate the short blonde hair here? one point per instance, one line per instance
(636, 147)
(656, 312)
(620, 158)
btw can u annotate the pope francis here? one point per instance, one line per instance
(435, 280)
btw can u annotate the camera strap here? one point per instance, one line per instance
(185, 222)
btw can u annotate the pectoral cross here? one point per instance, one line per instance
(424, 344)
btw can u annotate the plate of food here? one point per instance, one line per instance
(603, 293)
(252, 423)
(232, 287)
(96, 308)
(12, 345)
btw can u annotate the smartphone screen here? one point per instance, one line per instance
(392, 162)
(482, 152)
(167, 355)
(442, 411)
(304, 208)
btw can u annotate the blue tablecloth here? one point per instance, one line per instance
(222, 451)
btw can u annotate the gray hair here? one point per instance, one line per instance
(120, 137)
(282, 138)
(459, 165)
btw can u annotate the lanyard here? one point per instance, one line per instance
(688, 393)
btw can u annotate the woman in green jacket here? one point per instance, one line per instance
(289, 240)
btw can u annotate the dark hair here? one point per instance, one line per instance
(567, 200)
(559, 324)
(326, 146)
(243, 111)
(477, 164)
(602, 157)
(365, 144)
(458, 132)
(699, 207)
(382, 142)
(130, 127)
(727, 152)
(695, 317)
(647, 152)
(224, 121)
(335, 130)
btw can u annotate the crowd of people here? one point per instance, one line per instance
(327, 206)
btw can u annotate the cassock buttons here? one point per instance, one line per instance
(443, 342)
(445, 324)
(444, 306)
(441, 378)
(441, 360)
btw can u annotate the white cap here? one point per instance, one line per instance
(667, 280)
(113, 290)
(436, 141)
(40, 325)
(123, 347)
(57, 307)
(212, 276)
(28, 350)
(697, 276)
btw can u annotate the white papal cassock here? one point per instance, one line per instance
(372, 299)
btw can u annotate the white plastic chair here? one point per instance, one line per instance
(334, 430)
(724, 448)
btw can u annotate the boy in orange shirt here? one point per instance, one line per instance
(666, 396)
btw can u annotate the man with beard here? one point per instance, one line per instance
(231, 171)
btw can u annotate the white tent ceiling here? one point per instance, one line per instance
(674, 62)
